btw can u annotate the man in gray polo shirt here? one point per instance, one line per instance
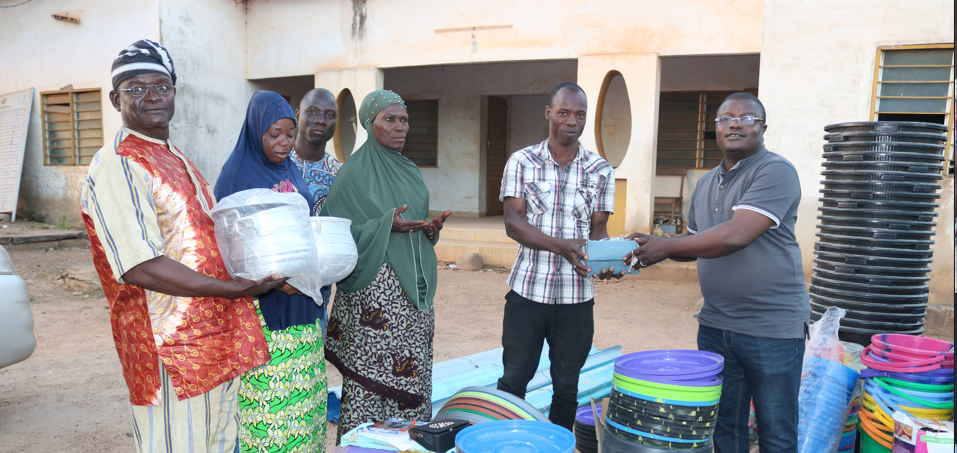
(756, 309)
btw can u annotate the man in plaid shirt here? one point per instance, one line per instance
(557, 195)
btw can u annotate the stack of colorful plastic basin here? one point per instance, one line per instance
(663, 400)
(849, 437)
(483, 404)
(878, 214)
(905, 373)
(515, 436)
(586, 440)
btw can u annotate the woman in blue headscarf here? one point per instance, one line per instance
(282, 403)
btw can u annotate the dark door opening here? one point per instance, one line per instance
(497, 134)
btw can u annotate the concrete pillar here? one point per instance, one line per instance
(641, 72)
(360, 81)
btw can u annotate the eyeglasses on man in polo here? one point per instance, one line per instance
(745, 120)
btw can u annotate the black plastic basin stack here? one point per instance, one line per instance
(877, 219)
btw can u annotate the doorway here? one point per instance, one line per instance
(495, 147)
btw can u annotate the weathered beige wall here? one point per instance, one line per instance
(398, 35)
(38, 51)
(817, 68)
(209, 57)
(403, 33)
(360, 82)
(211, 86)
(641, 74)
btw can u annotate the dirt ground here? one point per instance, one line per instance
(70, 396)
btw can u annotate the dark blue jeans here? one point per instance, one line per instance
(568, 329)
(766, 369)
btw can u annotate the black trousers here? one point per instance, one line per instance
(568, 329)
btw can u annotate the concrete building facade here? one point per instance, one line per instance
(485, 68)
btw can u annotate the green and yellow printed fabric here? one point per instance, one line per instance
(282, 403)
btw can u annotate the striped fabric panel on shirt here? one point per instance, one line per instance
(106, 232)
(135, 198)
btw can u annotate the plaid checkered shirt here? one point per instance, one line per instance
(559, 202)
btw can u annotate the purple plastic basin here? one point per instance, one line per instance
(670, 363)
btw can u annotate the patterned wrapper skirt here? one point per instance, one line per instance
(382, 345)
(282, 403)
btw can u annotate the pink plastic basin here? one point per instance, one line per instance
(913, 346)
(903, 360)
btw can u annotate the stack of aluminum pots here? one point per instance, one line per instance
(873, 254)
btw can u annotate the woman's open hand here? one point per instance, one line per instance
(400, 225)
(433, 228)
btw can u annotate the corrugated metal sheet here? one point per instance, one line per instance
(485, 368)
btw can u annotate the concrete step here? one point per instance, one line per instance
(476, 235)
(500, 253)
(44, 239)
(42, 236)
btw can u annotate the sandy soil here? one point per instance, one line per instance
(70, 396)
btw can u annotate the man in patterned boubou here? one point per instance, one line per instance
(184, 331)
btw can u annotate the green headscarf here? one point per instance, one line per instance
(371, 184)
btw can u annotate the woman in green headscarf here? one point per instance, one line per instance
(382, 321)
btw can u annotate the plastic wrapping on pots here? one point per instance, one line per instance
(826, 387)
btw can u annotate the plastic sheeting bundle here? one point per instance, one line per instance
(827, 387)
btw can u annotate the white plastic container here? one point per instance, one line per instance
(337, 249)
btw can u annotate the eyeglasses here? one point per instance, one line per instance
(745, 120)
(139, 91)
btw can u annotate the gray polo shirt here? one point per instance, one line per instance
(758, 290)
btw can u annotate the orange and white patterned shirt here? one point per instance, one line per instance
(143, 198)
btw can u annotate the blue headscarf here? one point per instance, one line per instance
(248, 168)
